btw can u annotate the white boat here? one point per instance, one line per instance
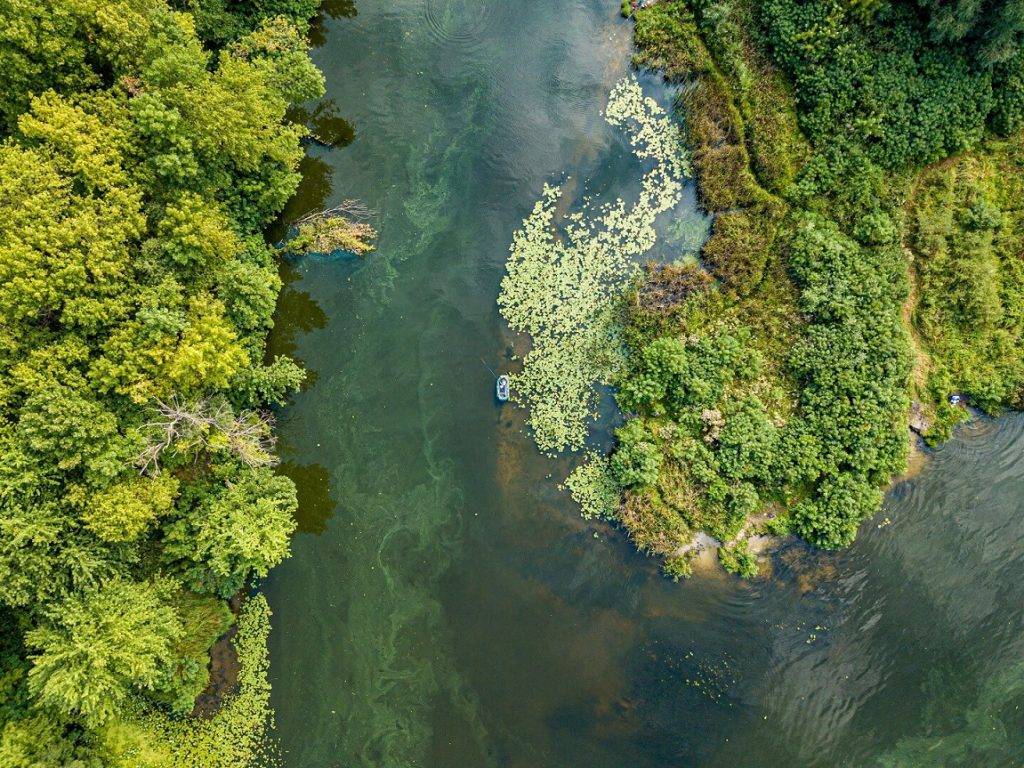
(501, 388)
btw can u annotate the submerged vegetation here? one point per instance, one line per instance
(144, 147)
(854, 279)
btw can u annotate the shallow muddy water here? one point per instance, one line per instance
(445, 605)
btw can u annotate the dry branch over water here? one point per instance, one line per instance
(345, 227)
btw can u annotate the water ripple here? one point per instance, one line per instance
(460, 25)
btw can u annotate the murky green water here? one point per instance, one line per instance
(445, 606)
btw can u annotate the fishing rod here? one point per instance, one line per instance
(489, 368)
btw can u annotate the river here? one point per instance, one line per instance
(445, 605)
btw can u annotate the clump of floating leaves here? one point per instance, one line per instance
(236, 737)
(561, 284)
(594, 489)
(345, 227)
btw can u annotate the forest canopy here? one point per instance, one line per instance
(143, 148)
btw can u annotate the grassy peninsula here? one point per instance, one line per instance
(144, 146)
(862, 162)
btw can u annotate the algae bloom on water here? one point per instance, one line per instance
(561, 283)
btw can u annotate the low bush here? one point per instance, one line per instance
(739, 559)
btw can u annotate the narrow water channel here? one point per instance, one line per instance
(445, 605)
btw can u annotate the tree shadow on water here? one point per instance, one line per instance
(313, 487)
(297, 312)
(327, 128)
(311, 195)
(329, 9)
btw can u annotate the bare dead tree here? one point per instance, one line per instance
(207, 425)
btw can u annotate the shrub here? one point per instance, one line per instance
(737, 251)
(636, 461)
(830, 519)
(725, 178)
(677, 567)
(738, 559)
(653, 527)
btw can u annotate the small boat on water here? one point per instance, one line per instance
(501, 388)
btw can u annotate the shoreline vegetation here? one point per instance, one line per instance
(862, 163)
(145, 149)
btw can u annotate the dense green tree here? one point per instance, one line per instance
(223, 20)
(879, 87)
(41, 48)
(124, 510)
(138, 164)
(94, 649)
(238, 530)
(748, 442)
(637, 459)
(830, 519)
(34, 741)
(995, 28)
(660, 365)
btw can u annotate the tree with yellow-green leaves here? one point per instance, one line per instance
(143, 147)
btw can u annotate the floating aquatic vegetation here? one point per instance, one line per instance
(236, 737)
(594, 489)
(561, 285)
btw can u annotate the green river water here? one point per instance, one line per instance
(445, 605)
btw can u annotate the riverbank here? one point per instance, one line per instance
(138, 490)
(810, 261)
